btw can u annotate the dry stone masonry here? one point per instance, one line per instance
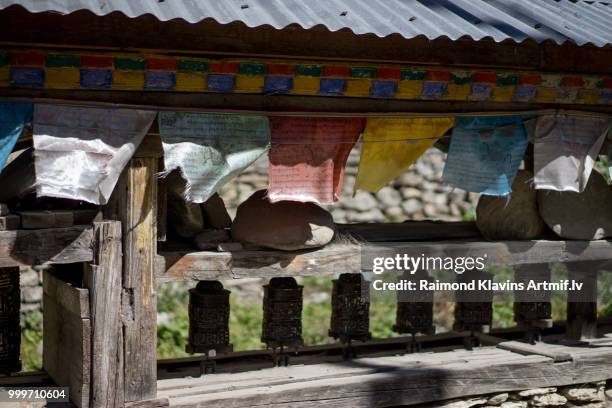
(593, 395)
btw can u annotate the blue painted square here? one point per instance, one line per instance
(480, 92)
(332, 86)
(433, 90)
(383, 89)
(220, 83)
(524, 93)
(96, 78)
(160, 80)
(277, 84)
(27, 77)
(605, 95)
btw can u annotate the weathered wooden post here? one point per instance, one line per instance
(134, 203)
(582, 304)
(103, 278)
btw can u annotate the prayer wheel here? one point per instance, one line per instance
(209, 310)
(532, 308)
(415, 308)
(350, 319)
(282, 313)
(474, 308)
(10, 332)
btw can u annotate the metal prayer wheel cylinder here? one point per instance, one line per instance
(532, 307)
(415, 308)
(209, 310)
(473, 309)
(10, 332)
(350, 319)
(282, 313)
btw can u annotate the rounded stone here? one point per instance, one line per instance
(513, 217)
(286, 225)
(583, 216)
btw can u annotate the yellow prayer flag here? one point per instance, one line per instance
(391, 145)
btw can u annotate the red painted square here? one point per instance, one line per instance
(572, 81)
(28, 59)
(224, 67)
(530, 80)
(338, 71)
(388, 73)
(484, 77)
(161, 64)
(438, 75)
(91, 61)
(281, 69)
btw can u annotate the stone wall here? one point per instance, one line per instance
(592, 395)
(31, 288)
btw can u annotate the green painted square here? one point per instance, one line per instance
(507, 80)
(363, 72)
(460, 80)
(192, 66)
(309, 70)
(130, 64)
(412, 75)
(4, 59)
(252, 68)
(63, 61)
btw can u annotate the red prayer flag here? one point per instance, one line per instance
(308, 156)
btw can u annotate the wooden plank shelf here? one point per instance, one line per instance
(343, 257)
(41, 246)
(393, 380)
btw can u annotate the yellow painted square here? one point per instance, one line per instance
(5, 77)
(458, 92)
(305, 85)
(128, 80)
(358, 87)
(63, 78)
(503, 93)
(190, 82)
(545, 94)
(249, 84)
(409, 89)
(588, 96)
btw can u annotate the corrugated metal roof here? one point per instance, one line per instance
(579, 21)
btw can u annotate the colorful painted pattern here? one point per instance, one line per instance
(37, 69)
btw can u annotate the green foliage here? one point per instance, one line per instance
(31, 340)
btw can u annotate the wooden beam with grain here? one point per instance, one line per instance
(37, 247)
(103, 278)
(347, 256)
(135, 202)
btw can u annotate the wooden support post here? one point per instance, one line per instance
(135, 203)
(67, 335)
(582, 304)
(103, 278)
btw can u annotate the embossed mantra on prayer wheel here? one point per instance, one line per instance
(209, 310)
(10, 333)
(350, 318)
(415, 309)
(282, 313)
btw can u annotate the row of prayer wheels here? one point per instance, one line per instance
(209, 310)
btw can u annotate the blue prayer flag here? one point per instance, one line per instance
(485, 153)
